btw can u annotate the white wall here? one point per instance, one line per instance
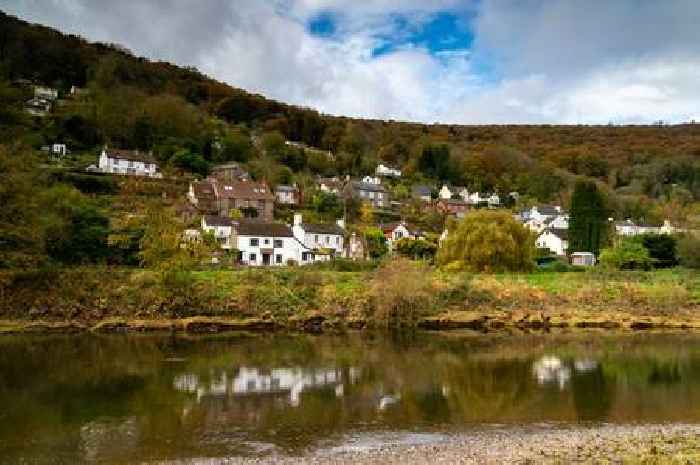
(290, 249)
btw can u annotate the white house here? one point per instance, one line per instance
(130, 162)
(56, 150)
(372, 180)
(222, 228)
(383, 170)
(559, 222)
(269, 244)
(629, 228)
(583, 259)
(556, 240)
(494, 200)
(445, 193)
(321, 237)
(287, 195)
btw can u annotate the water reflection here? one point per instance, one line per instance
(113, 400)
(247, 381)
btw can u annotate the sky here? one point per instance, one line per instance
(447, 61)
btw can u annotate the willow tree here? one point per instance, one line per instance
(489, 241)
(588, 219)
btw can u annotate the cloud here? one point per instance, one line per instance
(533, 61)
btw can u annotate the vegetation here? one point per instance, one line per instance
(627, 254)
(488, 241)
(588, 222)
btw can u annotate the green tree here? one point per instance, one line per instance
(689, 251)
(626, 254)
(588, 219)
(662, 249)
(491, 241)
(416, 248)
(376, 243)
(434, 161)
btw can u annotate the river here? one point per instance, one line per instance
(118, 399)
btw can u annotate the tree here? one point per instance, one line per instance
(588, 219)
(491, 241)
(662, 249)
(627, 254)
(376, 243)
(689, 251)
(416, 248)
(434, 161)
(164, 250)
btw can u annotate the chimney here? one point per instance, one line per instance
(297, 219)
(341, 222)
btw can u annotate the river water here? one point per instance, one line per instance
(121, 399)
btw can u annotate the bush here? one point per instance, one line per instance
(400, 293)
(416, 248)
(689, 251)
(376, 243)
(488, 241)
(662, 249)
(627, 254)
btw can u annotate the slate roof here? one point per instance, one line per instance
(422, 190)
(323, 228)
(213, 220)
(285, 188)
(255, 228)
(244, 190)
(132, 155)
(365, 186)
(547, 210)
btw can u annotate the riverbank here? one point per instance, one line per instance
(398, 294)
(630, 445)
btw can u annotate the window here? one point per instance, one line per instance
(252, 257)
(337, 240)
(254, 242)
(399, 234)
(266, 241)
(278, 243)
(328, 239)
(316, 238)
(278, 258)
(305, 256)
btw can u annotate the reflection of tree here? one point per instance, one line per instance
(593, 394)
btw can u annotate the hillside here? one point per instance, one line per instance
(190, 121)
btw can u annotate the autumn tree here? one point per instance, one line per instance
(490, 241)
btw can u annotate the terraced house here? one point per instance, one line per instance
(128, 162)
(251, 199)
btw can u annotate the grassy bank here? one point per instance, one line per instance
(399, 293)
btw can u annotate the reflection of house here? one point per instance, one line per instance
(549, 369)
(130, 162)
(556, 240)
(287, 382)
(320, 237)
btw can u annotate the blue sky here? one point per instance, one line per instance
(453, 61)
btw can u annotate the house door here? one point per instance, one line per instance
(266, 259)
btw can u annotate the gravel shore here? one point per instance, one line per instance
(616, 444)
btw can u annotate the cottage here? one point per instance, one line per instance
(222, 229)
(203, 196)
(327, 240)
(287, 195)
(422, 192)
(629, 228)
(371, 192)
(383, 170)
(445, 192)
(269, 244)
(252, 199)
(555, 240)
(540, 213)
(454, 207)
(128, 162)
(583, 259)
(401, 230)
(229, 172)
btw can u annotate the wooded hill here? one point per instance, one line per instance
(190, 120)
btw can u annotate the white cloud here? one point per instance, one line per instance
(587, 61)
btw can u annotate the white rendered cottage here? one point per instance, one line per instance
(383, 170)
(269, 244)
(222, 229)
(556, 240)
(129, 162)
(325, 239)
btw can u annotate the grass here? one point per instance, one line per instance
(396, 291)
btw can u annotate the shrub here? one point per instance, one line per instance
(627, 254)
(662, 249)
(488, 241)
(400, 292)
(376, 243)
(689, 251)
(416, 249)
